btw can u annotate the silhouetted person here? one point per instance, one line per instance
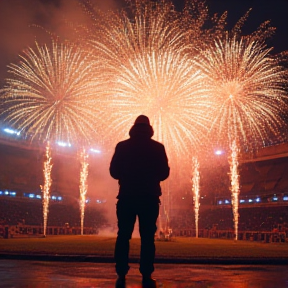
(139, 163)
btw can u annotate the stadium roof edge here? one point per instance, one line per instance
(268, 153)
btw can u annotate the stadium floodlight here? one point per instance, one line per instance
(95, 150)
(11, 131)
(64, 144)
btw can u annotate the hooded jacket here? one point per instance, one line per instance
(139, 164)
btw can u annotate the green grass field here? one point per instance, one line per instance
(179, 248)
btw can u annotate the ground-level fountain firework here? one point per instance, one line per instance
(235, 185)
(196, 191)
(46, 187)
(83, 185)
(199, 86)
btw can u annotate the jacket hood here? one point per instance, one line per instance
(141, 130)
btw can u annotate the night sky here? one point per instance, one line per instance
(19, 20)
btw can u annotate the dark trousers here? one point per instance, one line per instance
(147, 211)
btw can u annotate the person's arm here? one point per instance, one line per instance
(164, 168)
(115, 164)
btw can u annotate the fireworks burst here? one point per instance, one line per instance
(246, 87)
(51, 93)
(166, 88)
(152, 73)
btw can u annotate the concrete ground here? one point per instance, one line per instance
(44, 274)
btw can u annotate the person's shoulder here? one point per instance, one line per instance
(123, 143)
(156, 143)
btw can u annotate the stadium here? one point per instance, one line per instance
(263, 199)
(212, 78)
(224, 88)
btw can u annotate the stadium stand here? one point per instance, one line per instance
(263, 206)
(25, 217)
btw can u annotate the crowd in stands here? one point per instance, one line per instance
(13, 212)
(61, 214)
(250, 219)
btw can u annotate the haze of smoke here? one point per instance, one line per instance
(23, 21)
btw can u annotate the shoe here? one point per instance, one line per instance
(120, 282)
(148, 282)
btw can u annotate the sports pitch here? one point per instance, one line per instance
(188, 249)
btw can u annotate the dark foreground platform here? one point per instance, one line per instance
(44, 274)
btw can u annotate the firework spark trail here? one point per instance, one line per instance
(235, 186)
(246, 87)
(159, 223)
(83, 185)
(46, 187)
(196, 191)
(50, 94)
(165, 186)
